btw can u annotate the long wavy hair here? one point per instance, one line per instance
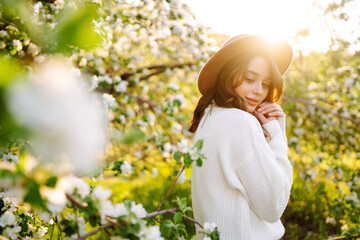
(224, 95)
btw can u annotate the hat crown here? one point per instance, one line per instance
(234, 39)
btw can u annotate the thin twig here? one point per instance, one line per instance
(96, 231)
(168, 193)
(324, 109)
(59, 227)
(159, 69)
(192, 220)
(340, 238)
(156, 213)
(74, 201)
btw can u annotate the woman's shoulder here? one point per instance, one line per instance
(232, 115)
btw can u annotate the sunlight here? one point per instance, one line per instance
(281, 18)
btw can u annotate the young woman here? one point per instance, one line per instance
(244, 184)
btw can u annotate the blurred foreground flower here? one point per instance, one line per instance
(67, 122)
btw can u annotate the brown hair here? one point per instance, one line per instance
(224, 95)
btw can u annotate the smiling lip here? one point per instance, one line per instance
(252, 102)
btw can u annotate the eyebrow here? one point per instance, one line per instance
(255, 73)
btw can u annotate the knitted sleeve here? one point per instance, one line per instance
(262, 169)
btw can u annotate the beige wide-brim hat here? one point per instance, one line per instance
(278, 49)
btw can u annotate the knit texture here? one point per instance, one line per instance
(244, 184)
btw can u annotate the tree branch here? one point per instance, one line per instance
(109, 225)
(168, 193)
(340, 238)
(75, 202)
(156, 213)
(192, 220)
(324, 109)
(160, 68)
(141, 100)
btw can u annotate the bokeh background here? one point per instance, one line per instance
(96, 98)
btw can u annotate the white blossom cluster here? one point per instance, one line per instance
(107, 208)
(10, 157)
(65, 119)
(10, 220)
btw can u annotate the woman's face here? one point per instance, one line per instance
(255, 85)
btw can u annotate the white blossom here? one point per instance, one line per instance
(122, 119)
(94, 82)
(154, 172)
(12, 232)
(138, 209)
(100, 193)
(182, 177)
(209, 227)
(33, 49)
(40, 232)
(121, 87)
(10, 156)
(8, 218)
(181, 98)
(150, 233)
(168, 72)
(83, 188)
(151, 119)
(299, 131)
(55, 208)
(137, 154)
(126, 168)
(167, 147)
(173, 86)
(194, 154)
(353, 197)
(17, 44)
(65, 118)
(183, 146)
(131, 113)
(176, 128)
(119, 210)
(109, 100)
(83, 62)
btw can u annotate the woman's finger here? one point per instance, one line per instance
(279, 114)
(264, 106)
(262, 119)
(271, 109)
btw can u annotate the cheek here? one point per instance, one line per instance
(265, 94)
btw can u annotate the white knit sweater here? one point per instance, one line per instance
(244, 184)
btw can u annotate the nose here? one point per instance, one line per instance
(258, 88)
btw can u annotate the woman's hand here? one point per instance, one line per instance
(267, 111)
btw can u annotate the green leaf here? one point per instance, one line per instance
(24, 227)
(181, 228)
(199, 144)
(68, 227)
(177, 103)
(215, 235)
(177, 156)
(8, 69)
(76, 27)
(33, 195)
(51, 182)
(199, 162)
(177, 217)
(187, 161)
(133, 135)
(168, 223)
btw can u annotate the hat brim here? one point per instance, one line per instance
(279, 50)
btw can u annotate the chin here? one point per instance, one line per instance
(250, 109)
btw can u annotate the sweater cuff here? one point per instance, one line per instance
(272, 127)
